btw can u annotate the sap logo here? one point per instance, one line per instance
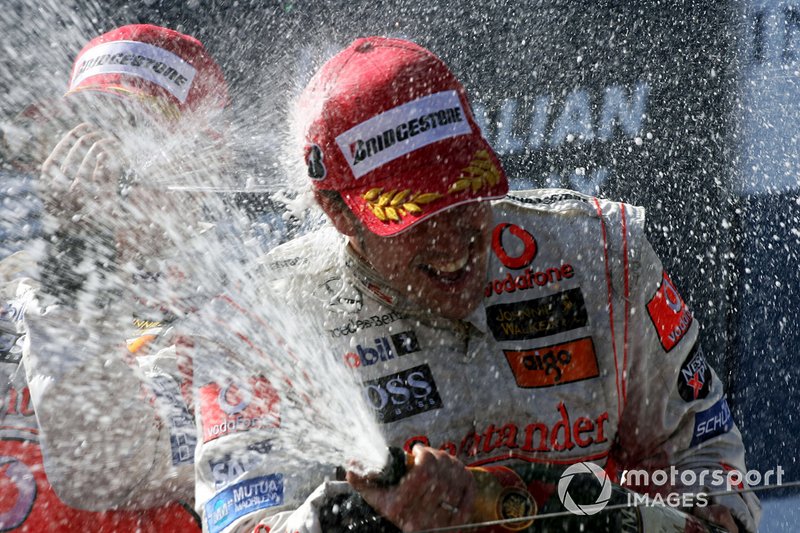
(402, 343)
(231, 467)
(403, 394)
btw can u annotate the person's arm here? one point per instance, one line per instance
(675, 412)
(106, 444)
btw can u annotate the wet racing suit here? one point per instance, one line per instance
(582, 350)
(28, 501)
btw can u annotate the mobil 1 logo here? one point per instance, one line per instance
(381, 349)
(403, 394)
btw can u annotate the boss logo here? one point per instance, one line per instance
(403, 394)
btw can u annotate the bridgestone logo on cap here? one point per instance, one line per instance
(402, 130)
(137, 59)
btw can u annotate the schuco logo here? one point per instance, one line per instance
(238, 407)
(403, 394)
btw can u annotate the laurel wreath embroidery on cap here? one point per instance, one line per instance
(395, 204)
(481, 172)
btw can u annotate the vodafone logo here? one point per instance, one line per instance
(522, 249)
(234, 399)
(17, 492)
(669, 313)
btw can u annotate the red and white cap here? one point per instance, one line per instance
(168, 69)
(388, 126)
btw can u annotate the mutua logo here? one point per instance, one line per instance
(380, 349)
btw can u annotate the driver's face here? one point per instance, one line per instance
(439, 264)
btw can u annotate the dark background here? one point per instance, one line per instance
(676, 151)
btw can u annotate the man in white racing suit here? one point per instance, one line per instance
(117, 449)
(486, 330)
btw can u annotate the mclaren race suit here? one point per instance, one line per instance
(28, 502)
(582, 350)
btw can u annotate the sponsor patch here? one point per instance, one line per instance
(354, 326)
(669, 313)
(402, 130)
(182, 430)
(403, 394)
(714, 421)
(554, 365)
(515, 254)
(19, 492)
(339, 296)
(10, 347)
(381, 349)
(549, 434)
(231, 466)
(238, 407)
(143, 60)
(694, 381)
(242, 499)
(529, 279)
(537, 318)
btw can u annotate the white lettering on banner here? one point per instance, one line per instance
(769, 55)
(516, 132)
(402, 130)
(137, 59)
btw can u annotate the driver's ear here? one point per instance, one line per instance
(338, 212)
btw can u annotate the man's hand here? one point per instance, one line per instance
(82, 173)
(437, 491)
(717, 514)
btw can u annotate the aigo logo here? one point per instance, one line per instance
(521, 259)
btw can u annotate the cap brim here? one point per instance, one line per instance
(429, 189)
